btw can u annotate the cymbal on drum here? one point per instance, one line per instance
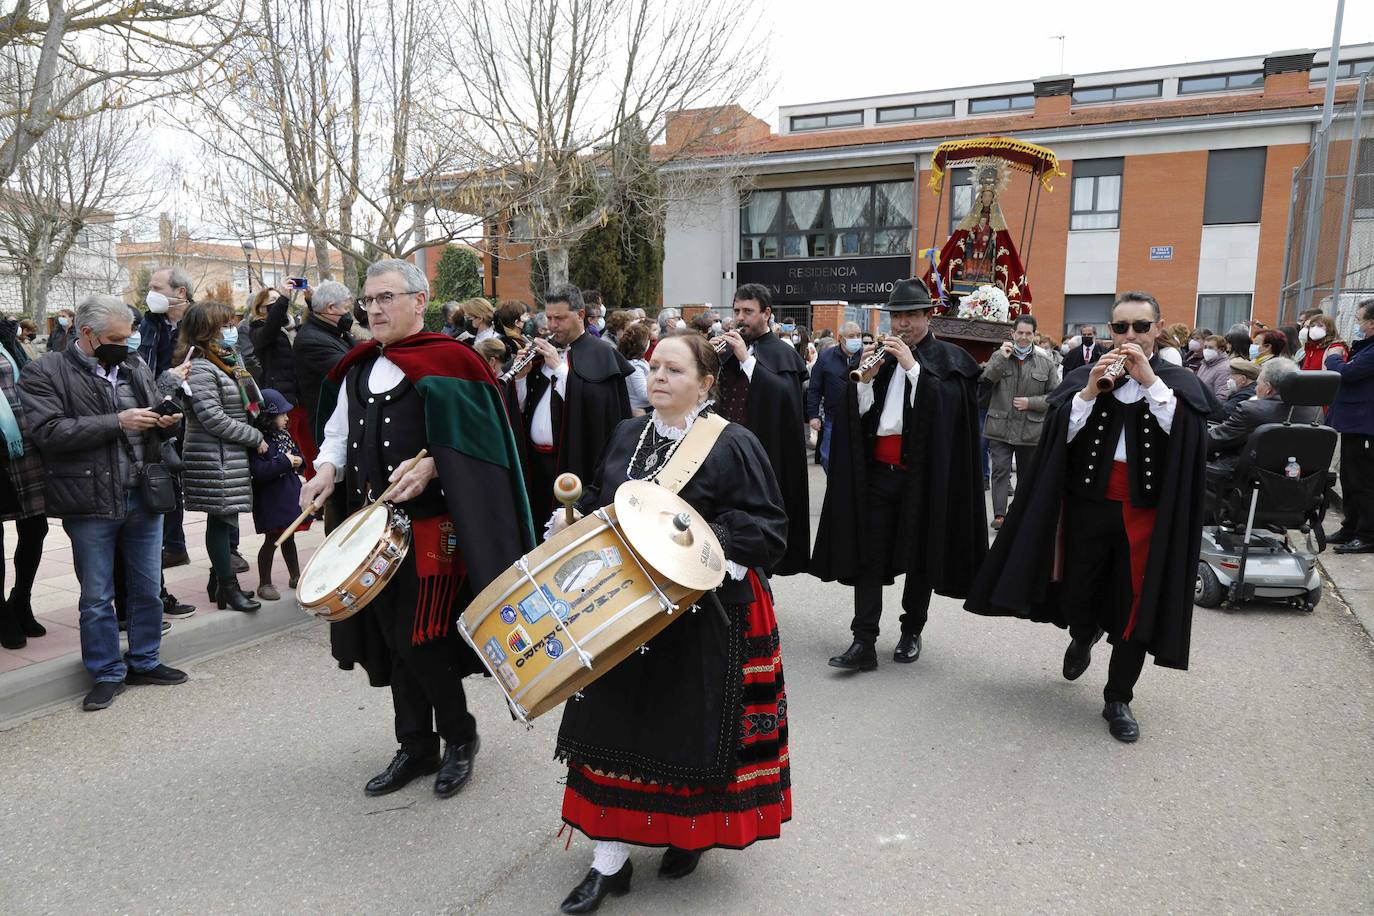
(669, 535)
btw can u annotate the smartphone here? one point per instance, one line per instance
(167, 408)
(297, 282)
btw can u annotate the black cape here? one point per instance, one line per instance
(670, 714)
(774, 414)
(1018, 578)
(943, 531)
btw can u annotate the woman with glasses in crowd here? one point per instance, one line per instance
(223, 403)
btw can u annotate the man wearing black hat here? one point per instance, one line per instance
(905, 492)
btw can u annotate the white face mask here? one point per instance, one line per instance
(600, 324)
(1317, 332)
(1066, 348)
(1194, 345)
(716, 328)
(1302, 335)
(157, 303)
(1231, 385)
(1209, 353)
(681, 325)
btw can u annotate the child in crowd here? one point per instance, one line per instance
(276, 492)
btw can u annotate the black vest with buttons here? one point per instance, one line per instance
(1093, 450)
(386, 429)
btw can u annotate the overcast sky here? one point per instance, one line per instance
(839, 49)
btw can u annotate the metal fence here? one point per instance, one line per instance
(1329, 257)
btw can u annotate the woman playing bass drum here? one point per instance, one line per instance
(684, 745)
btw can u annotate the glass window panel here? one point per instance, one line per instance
(1096, 94)
(935, 110)
(892, 241)
(808, 122)
(896, 114)
(1108, 192)
(1139, 91)
(1022, 101)
(1083, 193)
(804, 209)
(769, 245)
(980, 106)
(1244, 80)
(1202, 84)
(1222, 310)
(817, 245)
(850, 206)
(759, 210)
(894, 203)
(1318, 74)
(853, 243)
(845, 119)
(1094, 220)
(793, 246)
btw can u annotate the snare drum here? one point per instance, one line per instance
(569, 611)
(355, 562)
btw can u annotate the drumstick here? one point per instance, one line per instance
(300, 520)
(405, 469)
(567, 489)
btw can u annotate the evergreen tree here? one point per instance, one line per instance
(457, 276)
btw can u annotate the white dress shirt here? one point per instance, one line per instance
(385, 375)
(541, 424)
(1162, 403)
(890, 420)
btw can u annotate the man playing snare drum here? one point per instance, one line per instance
(403, 391)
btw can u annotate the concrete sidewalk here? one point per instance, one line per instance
(48, 671)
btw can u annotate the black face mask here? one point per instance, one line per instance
(360, 316)
(111, 355)
(345, 322)
(1087, 341)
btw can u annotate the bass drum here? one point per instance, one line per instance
(355, 562)
(570, 610)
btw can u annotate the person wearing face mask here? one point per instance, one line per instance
(1086, 349)
(1214, 371)
(595, 320)
(265, 339)
(1019, 377)
(89, 412)
(1266, 345)
(170, 292)
(1352, 415)
(324, 338)
(1197, 342)
(63, 331)
(1240, 386)
(1320, 338)
(224, 400)
(826, 392)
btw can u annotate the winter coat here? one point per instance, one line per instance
(1009, 378)
(272, 349)
(276, 485)
(26, 471)
(73, 420)
(158, 341)
(1215, 374)
(319, 347)
(218, 438)
(1353, 409)
(60, 338)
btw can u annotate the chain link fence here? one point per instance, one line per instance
(1329, 256)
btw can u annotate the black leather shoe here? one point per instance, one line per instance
(161, 676)
(587, 896)
(231, 596)
(908, 649)
(173, 558)
(1120, 722)
(859, 657)
(402, 770)
(1340, 537)
(102, 695)
(237, 562)
(1354, 545)
(1078, 656)
(678, 863)
(456, 768)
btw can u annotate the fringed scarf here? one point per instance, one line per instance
(440, 571)
(226, 359)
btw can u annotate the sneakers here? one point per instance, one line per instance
(268, 592)
(173, 608)
(102, 695)
(124, 626)
(161, 676)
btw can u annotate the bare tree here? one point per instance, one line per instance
(570, 110)
(73, 60)
(77, 182)
(322, 123)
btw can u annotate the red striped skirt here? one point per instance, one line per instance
(751, 806)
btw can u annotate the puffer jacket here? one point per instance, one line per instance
(218, 436)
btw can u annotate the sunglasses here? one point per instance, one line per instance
(1121, 327)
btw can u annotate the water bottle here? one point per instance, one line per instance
(1291, 469)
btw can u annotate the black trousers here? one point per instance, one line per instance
(1097, 592)
(426, 683)
(883, 501)
(1357, 485)
(543, 472)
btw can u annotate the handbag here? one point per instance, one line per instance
(155, 483)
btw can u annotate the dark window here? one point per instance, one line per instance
(1001, 103)
(1095, 309)
(1220, 82)
(960, 195)
(833, 119)
(916, 112)
(1096, 201)
(1346, 69)
(1235, 186)
(1118, 93)
(839, 221)
(1221, 310)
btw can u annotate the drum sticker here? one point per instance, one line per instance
(379, 565)
(536, 606)
(518, 640)
(552, 647)
(508, 614)
(448, 541)
(578, 570)
(611, 557)
(367, 580)
(508, 677)
(493, 651)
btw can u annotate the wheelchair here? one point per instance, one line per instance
(1249, 555)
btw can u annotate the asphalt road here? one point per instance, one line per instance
(976, 780)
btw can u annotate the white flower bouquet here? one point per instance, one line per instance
(987, 302)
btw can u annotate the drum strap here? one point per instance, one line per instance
(690, 455)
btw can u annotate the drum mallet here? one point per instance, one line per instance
(567, 489)
(300, 520)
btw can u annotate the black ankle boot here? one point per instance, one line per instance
(11, 633)
(22, 612)
(231, 596)
(212, 589)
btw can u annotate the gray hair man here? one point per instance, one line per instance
(91, 414)
(323, 339)
(1225, 441)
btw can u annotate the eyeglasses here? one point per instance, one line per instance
(384, 299)
(1140, 326)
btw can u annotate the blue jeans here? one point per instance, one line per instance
(139, 536)
(825, 445)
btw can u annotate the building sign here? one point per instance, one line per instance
(846, 279)
(1161, 252)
